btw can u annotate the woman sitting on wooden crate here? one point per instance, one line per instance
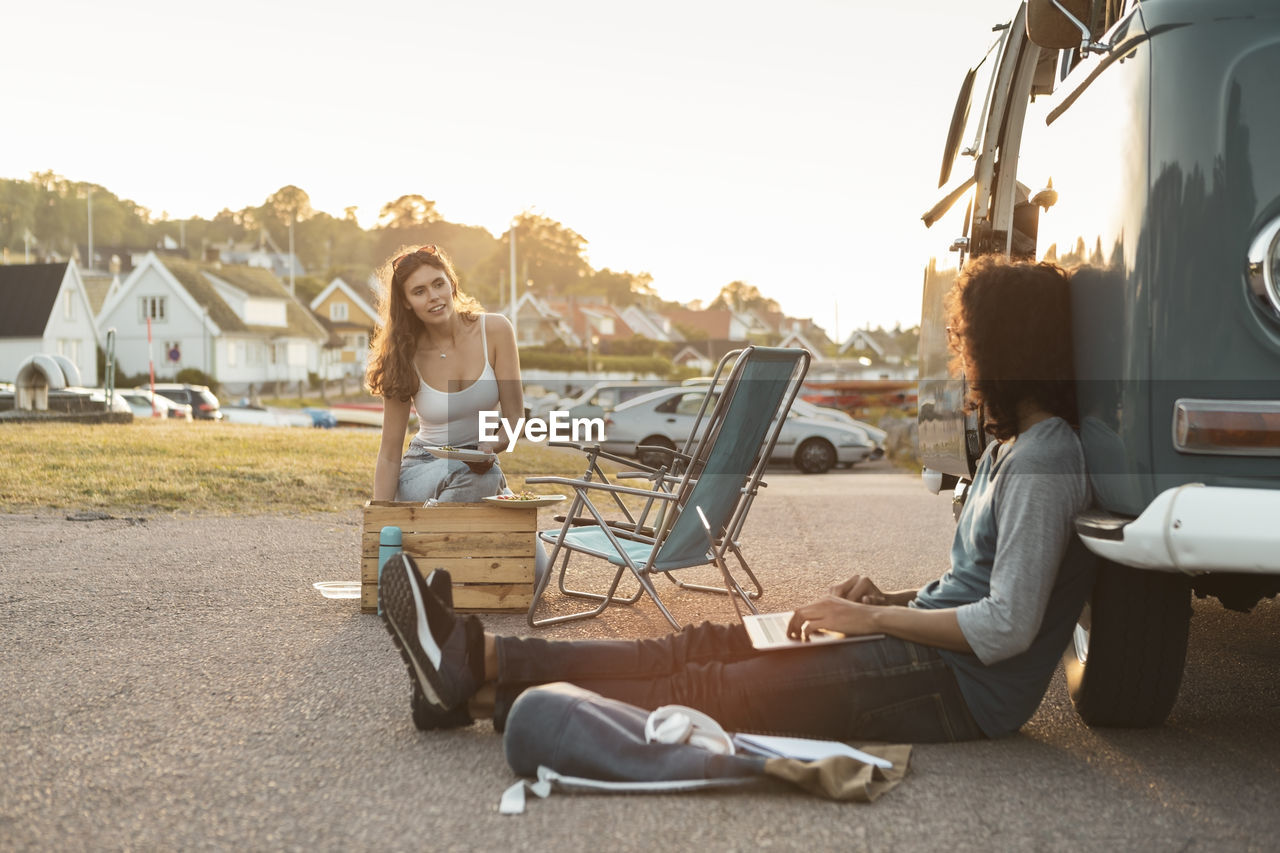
(437, 350)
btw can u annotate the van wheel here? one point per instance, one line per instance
(1125, 659)
(815, 456)
(651, 458)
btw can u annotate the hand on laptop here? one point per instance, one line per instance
(831, 613)
(858, 588)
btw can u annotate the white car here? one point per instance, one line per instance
(245, 413)
(813, 410)
(603, 397)
(665, 419)
(146, 405)
(99, 396)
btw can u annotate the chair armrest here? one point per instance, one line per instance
(594, 450)
(625, 526)
(666, 451)
(602, 487)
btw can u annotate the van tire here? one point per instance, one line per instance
(1124, 662)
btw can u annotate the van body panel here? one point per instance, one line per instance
(1165, 157)
(1213, 186)
(1095, 227)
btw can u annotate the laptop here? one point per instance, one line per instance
(768, 631)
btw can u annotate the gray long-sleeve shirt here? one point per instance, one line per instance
(1019, 575)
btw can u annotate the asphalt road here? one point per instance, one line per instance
(176, 683)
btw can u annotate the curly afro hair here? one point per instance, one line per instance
(1010, 333)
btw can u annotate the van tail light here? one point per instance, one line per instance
(1227, 427)
(204, 407)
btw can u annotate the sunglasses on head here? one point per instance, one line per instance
(427, 251)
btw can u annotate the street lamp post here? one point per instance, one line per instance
(513, 282)
(88, 263)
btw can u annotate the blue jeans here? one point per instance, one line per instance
(425, 477)
(878, 690)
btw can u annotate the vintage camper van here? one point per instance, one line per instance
(1137, 141)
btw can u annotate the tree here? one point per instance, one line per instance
(551, 256)
(619, 288)
(740, 296)
(288, 204)
(408, 211)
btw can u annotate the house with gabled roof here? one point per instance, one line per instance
(347, 312)
(98, 286)
(704, 355)
(596, 320)
(798, 340)
(44, 309)
(885, 354)
(867, 342)
(538, 324)
(262, 254)
(236, 323)
(714, 324)
(651, 324)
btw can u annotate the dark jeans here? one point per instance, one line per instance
(878, 690)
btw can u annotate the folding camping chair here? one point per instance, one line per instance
(720, 472)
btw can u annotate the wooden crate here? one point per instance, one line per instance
(488, 550)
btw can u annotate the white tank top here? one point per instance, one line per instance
(452, 418)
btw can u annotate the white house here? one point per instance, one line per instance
(799, 340)
(650, 324)
(236, 323)
(538, 323)
(44, 309)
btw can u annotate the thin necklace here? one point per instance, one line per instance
(443, 354)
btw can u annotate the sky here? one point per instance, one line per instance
(790, 146)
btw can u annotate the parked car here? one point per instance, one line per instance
(204, 405)
(813, 410)
(321, 418)
(246, 414)
(1134, 143)
(98, 396)
(603, 397)
(146, 405)
(539, 401)
(665, 418)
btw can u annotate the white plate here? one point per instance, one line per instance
(338, 589)
(540, 500)
(462, 455)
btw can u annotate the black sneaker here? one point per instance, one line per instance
(444, 653)
(425, 716)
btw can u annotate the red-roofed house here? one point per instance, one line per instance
(592, 319)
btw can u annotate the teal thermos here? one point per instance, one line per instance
(390, 541)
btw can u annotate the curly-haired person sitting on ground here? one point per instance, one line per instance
(969, 655)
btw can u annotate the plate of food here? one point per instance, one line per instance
(525, 499)
(462, 454)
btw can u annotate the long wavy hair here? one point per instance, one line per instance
(1010, 333)
(395, 340)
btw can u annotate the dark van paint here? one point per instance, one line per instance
(1149, 161)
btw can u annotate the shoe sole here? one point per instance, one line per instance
(426, 717)
(405, 617)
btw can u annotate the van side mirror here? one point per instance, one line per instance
(1062, 24)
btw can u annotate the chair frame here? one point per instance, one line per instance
(671, 488)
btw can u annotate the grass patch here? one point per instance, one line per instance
(149, 466)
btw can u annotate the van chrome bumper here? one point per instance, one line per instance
(1193, 528)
